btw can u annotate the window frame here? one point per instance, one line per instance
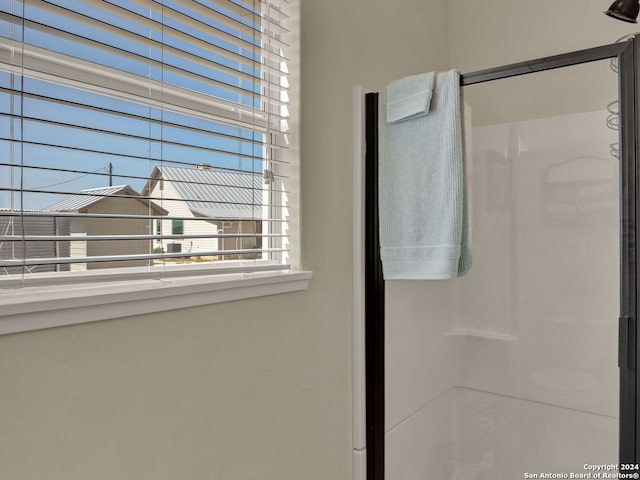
(47, 306)
(82, 297)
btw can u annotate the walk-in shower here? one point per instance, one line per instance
(527, 365)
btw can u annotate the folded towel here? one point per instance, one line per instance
(424, 230)
(410, 97)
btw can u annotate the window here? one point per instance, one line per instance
(177, 227)
(119, 119)
(119, 116)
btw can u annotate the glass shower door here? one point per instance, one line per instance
(512, 371)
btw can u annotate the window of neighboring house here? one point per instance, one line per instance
(177, 227)
(116, 115)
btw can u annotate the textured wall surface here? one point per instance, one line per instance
(249, 390)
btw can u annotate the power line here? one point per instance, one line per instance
(75, 178)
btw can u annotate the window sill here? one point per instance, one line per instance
(39, 307)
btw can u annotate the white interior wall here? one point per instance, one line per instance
(260, 389)
(257, 389)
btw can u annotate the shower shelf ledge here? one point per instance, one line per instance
(485, 334)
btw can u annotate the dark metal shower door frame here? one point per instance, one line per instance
(628, 56)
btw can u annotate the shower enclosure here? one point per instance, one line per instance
(527, 366)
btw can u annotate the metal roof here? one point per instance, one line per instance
(86, 198)
(29, 210)
(80, 202)
(216, 194)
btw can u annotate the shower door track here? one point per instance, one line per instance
(628, 57)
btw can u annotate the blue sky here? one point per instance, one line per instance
(85, 132)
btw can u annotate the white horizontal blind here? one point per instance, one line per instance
(142, 133)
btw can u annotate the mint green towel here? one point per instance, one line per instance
(424, 214)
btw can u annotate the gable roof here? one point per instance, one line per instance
(216, 194)
(85, 198)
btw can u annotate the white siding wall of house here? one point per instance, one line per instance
(177, 208)
(78, 249)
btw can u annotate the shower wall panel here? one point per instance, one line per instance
(422, 361)
(423, 367)
(512, 369)
(553, 336)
